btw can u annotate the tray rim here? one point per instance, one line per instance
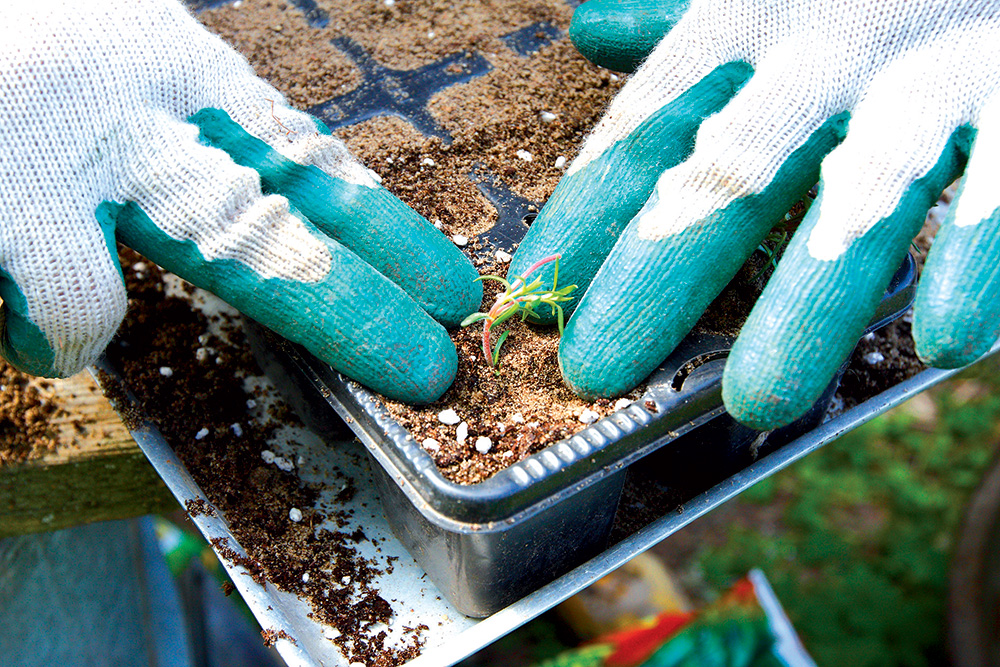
(541, 480)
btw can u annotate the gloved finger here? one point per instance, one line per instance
(751, 162)
(63, 292)
(198, 214)
(364, 217)
(650, 127)
(342, 196)
(957, 311)
(875, 193)
(317, 173)
(620, 34)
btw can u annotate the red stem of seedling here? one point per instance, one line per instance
(496, 312)
(541, 262)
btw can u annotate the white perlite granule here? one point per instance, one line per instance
(449, 417)
(873, 358)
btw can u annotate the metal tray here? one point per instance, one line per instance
(414, 600)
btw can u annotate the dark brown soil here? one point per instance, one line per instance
(220, 431)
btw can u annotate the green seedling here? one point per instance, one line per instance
(771, 247)
(774, 243)
(520, 298)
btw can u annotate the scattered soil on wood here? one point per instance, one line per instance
(27, 409)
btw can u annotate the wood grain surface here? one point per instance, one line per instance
(96, 473)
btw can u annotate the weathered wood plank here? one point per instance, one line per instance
(96, 473)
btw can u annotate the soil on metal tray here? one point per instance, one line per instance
(27, 409)
(187, 371)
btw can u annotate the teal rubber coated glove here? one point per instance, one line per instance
(722, 129)
(131, 121)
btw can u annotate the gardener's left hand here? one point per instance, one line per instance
(128, 120)
(722, 129)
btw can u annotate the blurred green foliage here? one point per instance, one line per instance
(860, 554)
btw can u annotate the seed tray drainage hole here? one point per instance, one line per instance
(689, 367)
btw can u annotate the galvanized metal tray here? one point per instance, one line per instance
(453, 635)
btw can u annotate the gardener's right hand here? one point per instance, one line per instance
(722, 129)
(130, 120)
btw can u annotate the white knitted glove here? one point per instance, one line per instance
(95, 140)
(722, 129)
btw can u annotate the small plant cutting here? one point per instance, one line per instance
(520, 298)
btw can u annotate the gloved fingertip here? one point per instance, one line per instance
(592, 376)
(24, 346)
(620, 35)
(434, 376)
(950, 344)
(758, 407)
(773, 377)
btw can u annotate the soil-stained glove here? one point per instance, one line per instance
(722, 129)
(130, 120)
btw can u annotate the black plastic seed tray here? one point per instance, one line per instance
(489, 544)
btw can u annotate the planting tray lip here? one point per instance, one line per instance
(685, 392)
(536, 482)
